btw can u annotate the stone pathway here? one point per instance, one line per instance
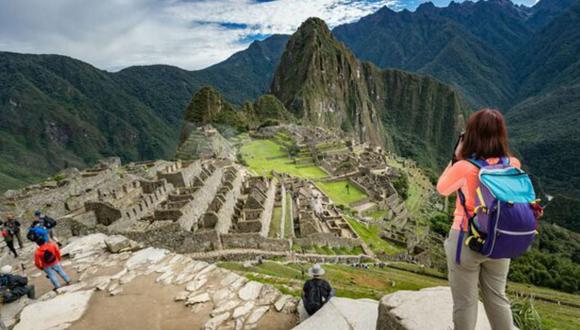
(223, 299)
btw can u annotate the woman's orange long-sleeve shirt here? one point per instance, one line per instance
(465, 176)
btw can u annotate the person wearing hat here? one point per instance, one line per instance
(14, 225)
(12, 287)
(317, 291)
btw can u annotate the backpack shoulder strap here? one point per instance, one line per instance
(479, 163)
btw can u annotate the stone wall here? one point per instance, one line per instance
(201, 200)
(106, 213)
(181, 174)
(266, 217)
(326, 239)
(202, 241)
(226, 212)
(254, 241)
(165, 234)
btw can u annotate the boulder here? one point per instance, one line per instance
(57, 313)
(9, 314)
(118, 243)
(250, 291)
(85, 245)
(343, 314)
(426, 309)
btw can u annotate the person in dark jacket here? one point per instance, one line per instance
(12, 287)
(46, 222)
(8, 236)
(14, 225)
(317, 291)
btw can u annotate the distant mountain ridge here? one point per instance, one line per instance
(56, 111)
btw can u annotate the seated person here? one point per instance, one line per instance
(12, 287)
(316, 291)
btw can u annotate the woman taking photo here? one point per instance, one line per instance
(486, 139)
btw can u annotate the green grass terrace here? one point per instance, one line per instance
(264, 156)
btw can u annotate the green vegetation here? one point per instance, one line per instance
(275, 223)
(376, 214)
(371, 236)
(263, 156)
(401, 185)
(338, 192)
(326, 250)
(375, 282)
(525, 314)
(348, 281)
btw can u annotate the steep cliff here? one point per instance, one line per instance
(322, 83)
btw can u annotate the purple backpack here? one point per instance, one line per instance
(503, 224)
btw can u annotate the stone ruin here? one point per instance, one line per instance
(363, 166)
(188, 206)
(366, 168)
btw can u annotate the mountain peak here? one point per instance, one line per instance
(426, 7)
(314, 25)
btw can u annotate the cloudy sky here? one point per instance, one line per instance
(192, 34)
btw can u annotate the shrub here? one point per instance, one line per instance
(525, 315)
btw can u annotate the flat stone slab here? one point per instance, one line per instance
(57, 313)
(250, 291)
(343, 314)
(89, 243)
(426, 309)
(146, 256)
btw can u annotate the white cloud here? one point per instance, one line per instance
(112, 34)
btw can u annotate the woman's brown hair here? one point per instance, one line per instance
(485, 135)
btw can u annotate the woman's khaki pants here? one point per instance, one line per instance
(474, 269)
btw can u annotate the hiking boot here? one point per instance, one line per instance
(31, 292)
(68, 283)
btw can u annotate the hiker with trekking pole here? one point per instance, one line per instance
(495, 219)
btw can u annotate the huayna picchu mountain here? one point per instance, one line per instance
(321, 82)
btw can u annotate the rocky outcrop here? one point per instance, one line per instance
(427, 309)
(218, 298)
(57, 313)
(343, 314)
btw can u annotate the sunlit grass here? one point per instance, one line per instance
(263, 156)
(371, 236)
(339, 193)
